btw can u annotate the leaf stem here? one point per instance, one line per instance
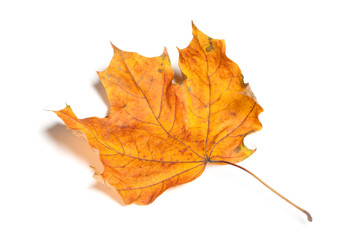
(233, 164)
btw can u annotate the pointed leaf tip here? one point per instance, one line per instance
(165, 52)
(194, 29)
(115, 49)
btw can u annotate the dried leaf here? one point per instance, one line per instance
(159, 134)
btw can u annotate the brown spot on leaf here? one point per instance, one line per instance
(210, 47)
(184, 76)
(238, 149)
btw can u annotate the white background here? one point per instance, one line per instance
(302, 59)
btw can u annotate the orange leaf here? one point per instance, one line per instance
(159, 134)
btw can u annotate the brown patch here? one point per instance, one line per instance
(210, 47)
(184, 76)
(238, 149)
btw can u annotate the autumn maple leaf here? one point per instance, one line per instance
(159, 134)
